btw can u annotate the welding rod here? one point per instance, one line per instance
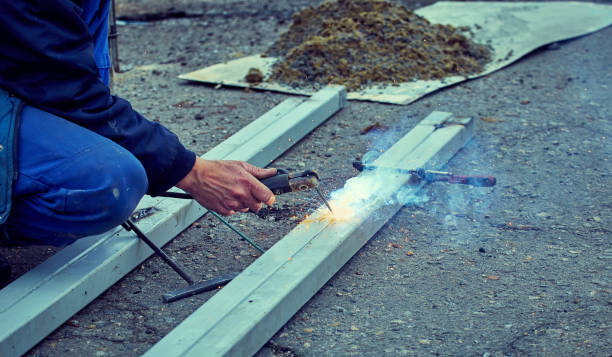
(190, 197)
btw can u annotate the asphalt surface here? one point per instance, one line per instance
(519, 269)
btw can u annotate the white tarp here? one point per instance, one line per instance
(512, 29)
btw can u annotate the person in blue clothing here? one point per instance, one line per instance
(75, 160)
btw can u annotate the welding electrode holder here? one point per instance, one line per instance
(472, 180)
(434, 176)
(284, 181)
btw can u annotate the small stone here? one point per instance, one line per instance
(271, 218)
(308, 330)
(140, 278)
(244, 252)
(254, 76)
(354, 328)
(116, 338)
(306, 344)
(210, 256)
(424, 341)
(73, 323)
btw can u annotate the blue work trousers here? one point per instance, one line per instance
(72, 182)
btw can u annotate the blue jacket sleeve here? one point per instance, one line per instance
(47, 59)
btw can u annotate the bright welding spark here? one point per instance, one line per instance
(343, 212)
(349, 202)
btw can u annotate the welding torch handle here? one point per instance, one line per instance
(473, 180)
(278, 184)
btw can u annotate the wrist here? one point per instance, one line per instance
(190, 181)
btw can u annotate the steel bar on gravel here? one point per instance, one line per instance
(130, 226)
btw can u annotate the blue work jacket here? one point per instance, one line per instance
(47, 60)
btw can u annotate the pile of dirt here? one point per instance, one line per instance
(359, 43)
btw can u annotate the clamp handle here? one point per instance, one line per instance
(472, 180)
(284, 182)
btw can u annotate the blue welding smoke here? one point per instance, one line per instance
(382, 139)
(455, 207)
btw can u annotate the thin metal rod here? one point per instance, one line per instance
(324, 200)
(188, 196)
(112, 37)
(130, 226)
(237, 232)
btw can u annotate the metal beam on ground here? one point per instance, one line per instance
(45, 297)
(241, 317)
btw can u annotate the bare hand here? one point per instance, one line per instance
(227, 187)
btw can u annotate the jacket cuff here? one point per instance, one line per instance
(182, 164)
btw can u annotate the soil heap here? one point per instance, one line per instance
(358, 43)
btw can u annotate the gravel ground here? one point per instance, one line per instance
(519, 269)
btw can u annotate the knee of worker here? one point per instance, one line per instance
(120, 186)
